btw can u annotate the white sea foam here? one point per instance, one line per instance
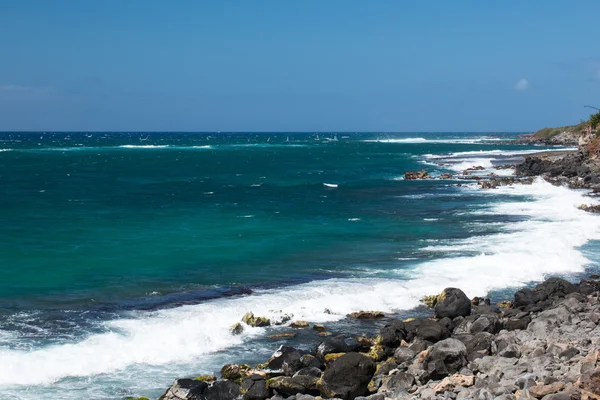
(462, 164)
(497, 152)
(438, 140)
(145, 146)
(330, 185)
(545, 243)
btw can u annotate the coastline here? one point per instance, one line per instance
(392, 379)
(545, 343)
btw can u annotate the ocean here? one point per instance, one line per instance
(126, 257)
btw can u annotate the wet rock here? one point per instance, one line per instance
(319, 328)
(416, 175)
(235, 372)
(299, 324)
(446, 176)
(222, 390)
(554, 287)
(280, 336)
(347, 377)
(185, 389)
(311, 371)
(525, 297)
(445, 358)
(255, 321)
(308, 360)
(236, 328)
(452, 303)
(366, 315)
(332, 345)
(286, 359)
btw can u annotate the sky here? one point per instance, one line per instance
(380, 66)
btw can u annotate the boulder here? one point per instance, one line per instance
(403, 354)
(480, 342)
(525, 297)
(347, 377)
(513, 324)
(222, 390)
(333, 345)
(185, 389)
(400, 381)
(308, 361)
(392, 334)
(311, 371)
(445, 358)
(255, 388)
(286, 359)
(555, 288)
(451, 303)
(432, 331)
(251, 320)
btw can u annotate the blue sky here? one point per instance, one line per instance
(297, 66)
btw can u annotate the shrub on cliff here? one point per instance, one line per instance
(595, 120)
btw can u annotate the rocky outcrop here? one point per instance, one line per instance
(416, 175)
(576, 170)
(564, 136)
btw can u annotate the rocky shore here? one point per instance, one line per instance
(544, 344)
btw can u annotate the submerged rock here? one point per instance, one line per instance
(299, 324)
(366, 315)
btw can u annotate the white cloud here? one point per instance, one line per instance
(522, 84)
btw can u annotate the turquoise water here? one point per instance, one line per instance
(153, 244)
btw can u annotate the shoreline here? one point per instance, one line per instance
(530, 346)
(276, 384)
